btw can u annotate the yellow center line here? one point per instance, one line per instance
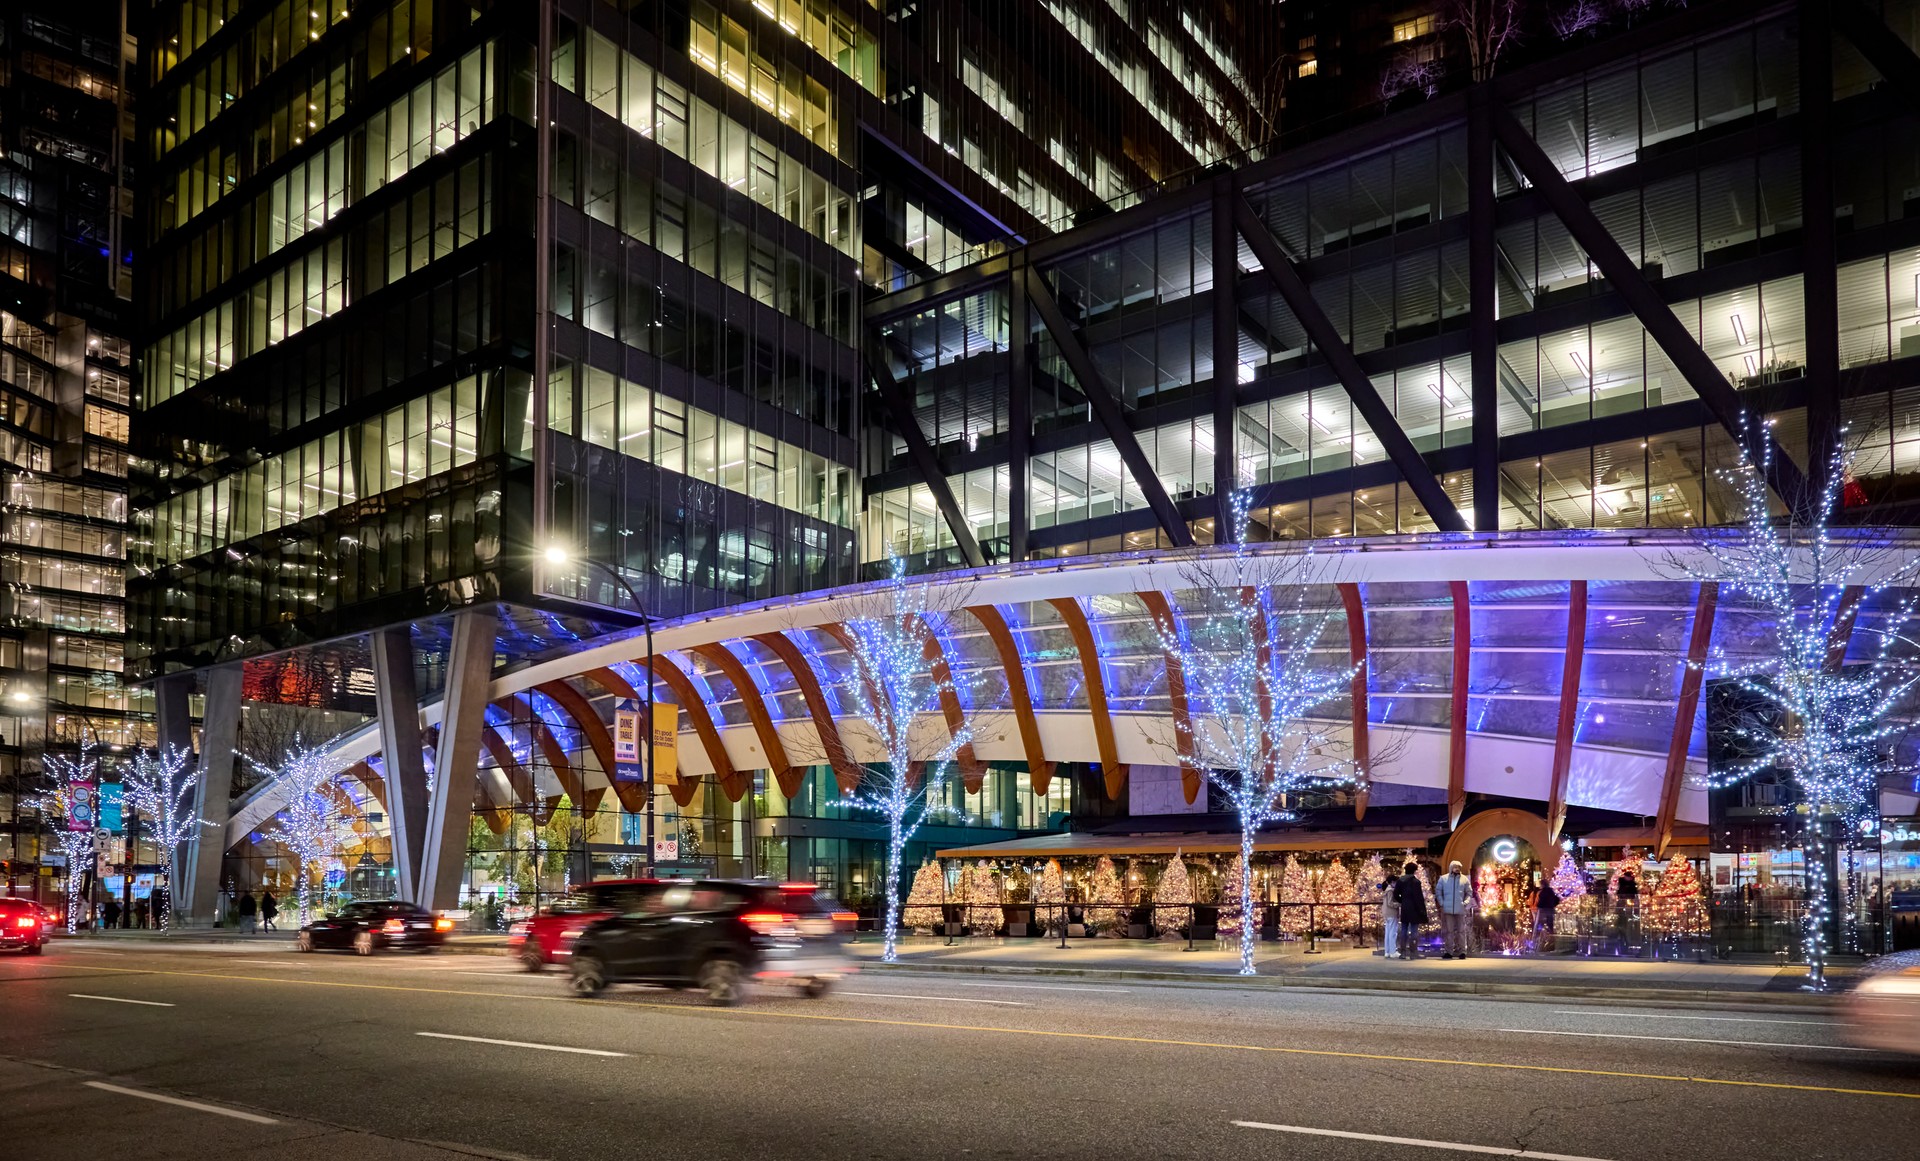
(1042, 1032)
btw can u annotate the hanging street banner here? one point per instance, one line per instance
(80, 805)
(626, 741)
(112, 807)
(666, 743)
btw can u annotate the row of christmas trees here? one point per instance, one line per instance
(1675, 906)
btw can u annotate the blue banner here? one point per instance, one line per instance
(112, 808)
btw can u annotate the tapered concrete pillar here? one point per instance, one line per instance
(456, 760)
(196, 898)
(401, 762)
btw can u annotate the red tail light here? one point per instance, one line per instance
(444, 924)
(26, 923)
(769, 922)
(845, 917)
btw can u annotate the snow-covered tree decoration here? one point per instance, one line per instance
(1816, 697)
(1050, 900)
(1678, 906)
(1337, 890)
(1173, 900)
(923, 912)
(1296, 891)
(1250, 648)
(985, 901)
(62, 803)
(897, 694)
(1107, 910)
(1228, 925)
(1366, 888)
(161, 787)
(305, 824)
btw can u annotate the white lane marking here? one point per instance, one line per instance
(1684, 1040)
(1417, 1142)
(119, 1000)
(1032, 987)
(520, 1044)
(236, 1114)
(940, 999)
(274, 963)
(1715, 1019)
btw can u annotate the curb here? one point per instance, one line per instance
(1487, 988)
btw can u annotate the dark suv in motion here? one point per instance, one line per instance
(716, 935)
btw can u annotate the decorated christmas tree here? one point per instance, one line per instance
(1173, 900)
(1050, 900)
(1426, 891)
(1629, 860)
(984, 912)
(1106, 904)
(1367, 888)
(1336, 890)
(1228, 925)
(922, 912)
(1569, 881)
(1295, 888)
(1678, 905)
(1486, 888)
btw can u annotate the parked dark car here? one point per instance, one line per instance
(548, 936)
(23, 926)
(368, 926)
(716, 936)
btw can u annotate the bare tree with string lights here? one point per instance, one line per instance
(1795, 706)
(305, 824)
(161, 787)
(898, 693)
(69, 811)
(1251, 644)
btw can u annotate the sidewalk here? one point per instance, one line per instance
(1289, 965)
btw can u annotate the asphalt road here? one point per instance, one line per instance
(242, 1052)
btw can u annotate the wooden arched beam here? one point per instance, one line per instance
(1690, 682)
(1357, 657)
(732, 782)
(1457, 716)
(580, 711)
(845, 770)
(1841, 635)
(1161, 613)
(735, 670)
(1112, 770)
(1570, 660)
(881, 706)
(376, 785)
(1488, 824)
(561, 762)
(973, 772)
(1039, 770)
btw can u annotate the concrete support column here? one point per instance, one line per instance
(402, 765)
(196, 897)
(456, 760)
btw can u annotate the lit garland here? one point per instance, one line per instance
(1247, 656)
(161, 787)
(1797, 574)
(59, 805)
(892, 686)
(305, 825)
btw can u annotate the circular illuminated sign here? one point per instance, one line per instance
(1505, 850)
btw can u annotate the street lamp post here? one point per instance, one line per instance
(559, 556)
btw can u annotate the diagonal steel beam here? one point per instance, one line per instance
(1783, 475)
(920, 451)
(1106, 407)
(1386, 427)
(1887, 53)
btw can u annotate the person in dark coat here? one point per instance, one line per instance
(112, 913)
(247, 909)
(1627, 893)
(1545, 904)
(1413, 911)
(139, 912)
(268, 909)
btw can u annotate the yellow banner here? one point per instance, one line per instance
(666, 743)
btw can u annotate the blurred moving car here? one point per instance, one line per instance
(1883, 1010)
(23, 926)
(368, 926)
(548, 936)
(717, 935)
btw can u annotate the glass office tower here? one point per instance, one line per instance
(65, 387)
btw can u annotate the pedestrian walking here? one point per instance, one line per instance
(1454, 894)
(1390, 918)
(268, 909)
(140, 913)
(1413, 911)
(159, 908)
(247, 909)
(1544, 905)
(113, 913)
(1627, 892)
